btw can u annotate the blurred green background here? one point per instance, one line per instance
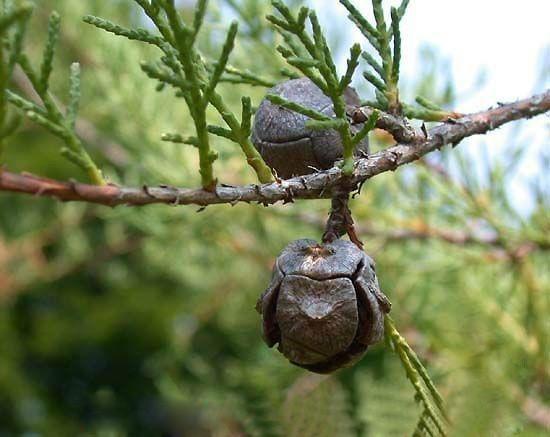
(141, 321)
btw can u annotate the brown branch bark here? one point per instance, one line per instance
(317, 185)
(340, 220)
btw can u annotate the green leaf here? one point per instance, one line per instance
(428, 104)
(334, 123)
(74, 157)
(224, 58)
(400, 13)
(43, 121)
(296, 107)
(19, 36)
(245, 76)
(278, 22)
(353, 63)
(367, 29)
(379, 17)
(222, 132)
(302, 62)
(396, 45)
(198, 18)
(24, 104)
(178, 138)
(49, 52)
(369, 125)
(381, 86)
(74, 92)
(142, 35)
(20, 14)
(417, 374)
(246, 117)
(154, 72)
(373, 63)
(283, 10)
(324, 55)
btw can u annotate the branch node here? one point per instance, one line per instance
(424, 130)
(290, 195)
(147, 190)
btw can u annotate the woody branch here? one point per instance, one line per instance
(317, 185)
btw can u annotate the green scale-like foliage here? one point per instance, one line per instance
(195, 79)
(140, 321)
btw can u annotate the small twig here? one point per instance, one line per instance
(425, 389)
(340, 220)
